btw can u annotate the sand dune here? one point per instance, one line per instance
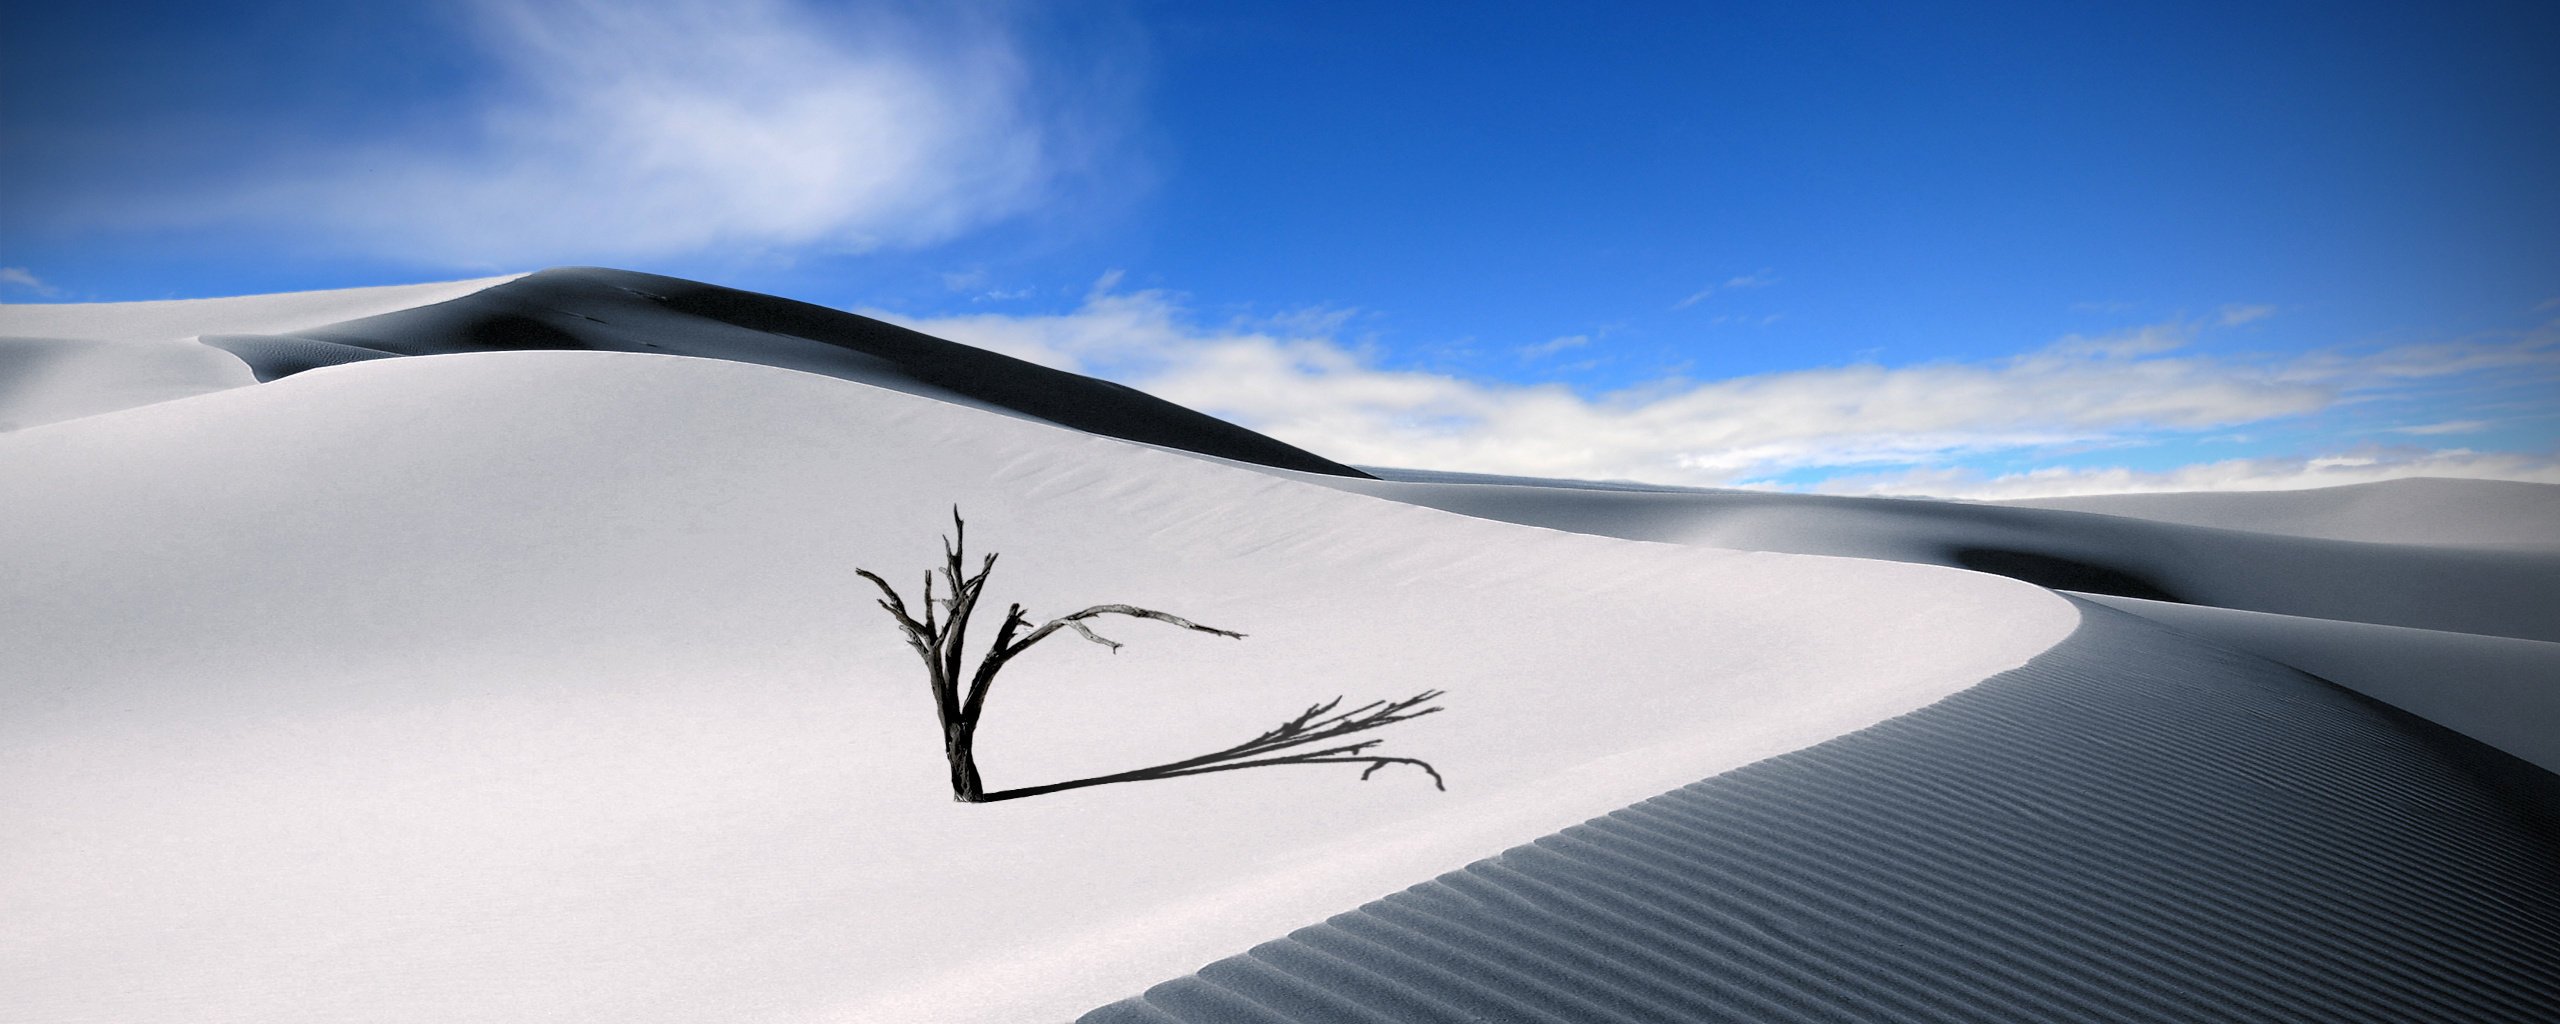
(2470, 590)
(2130, 827)
(47, 380)
(537, 685)
(2465, 513)
(2501, 691)
(68, 360)
(182, 319)
(593, 309)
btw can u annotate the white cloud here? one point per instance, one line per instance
(1755, 279)
(2446, 427)
(1294, 379)
(2226, 475)
(2234, 315)
(643, 127)
(1555, 345)
(23, 278)
(2538, 349)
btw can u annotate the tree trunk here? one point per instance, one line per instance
(959, 744)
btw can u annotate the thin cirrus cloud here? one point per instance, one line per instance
(1755, 279)
(2370, 465)
(25, 280)
(656, 127)
(1864, 428)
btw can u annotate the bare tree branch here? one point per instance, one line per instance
(941, 642)
(1076, 622)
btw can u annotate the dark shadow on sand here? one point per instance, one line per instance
(2134, 826)
(2058, 573)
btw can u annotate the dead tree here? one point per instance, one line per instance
(939, 637)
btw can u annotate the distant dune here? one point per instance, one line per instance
(2486, 617)
(2471, 513)
(2493, 592)
(530, 680)
(592, 309)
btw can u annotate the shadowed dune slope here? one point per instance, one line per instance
(2473, 513)
(2131, 827)
(2468, 590)
(2499, 690)
(589, 308)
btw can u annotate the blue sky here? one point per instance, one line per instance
(1985, 249)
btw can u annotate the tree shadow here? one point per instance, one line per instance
(940, 636)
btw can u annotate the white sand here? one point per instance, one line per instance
(63, 361)
(537, 686)
(181, 319)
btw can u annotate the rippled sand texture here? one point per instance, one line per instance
(2132, 827)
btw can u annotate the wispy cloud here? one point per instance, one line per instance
(2268, 474)
(2446, 427)
(21, 277)
(2236, 314)
(1554, 345)
(2081, 393)
(1755, 279)
(650, 127)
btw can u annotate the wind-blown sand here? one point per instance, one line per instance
(537, 685)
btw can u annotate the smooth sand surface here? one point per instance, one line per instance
(2132, 827)
(182, 319)
(61, 361)
(538, 686)
(48, 380)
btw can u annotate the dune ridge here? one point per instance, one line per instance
(597, 309)
(2130, 827)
